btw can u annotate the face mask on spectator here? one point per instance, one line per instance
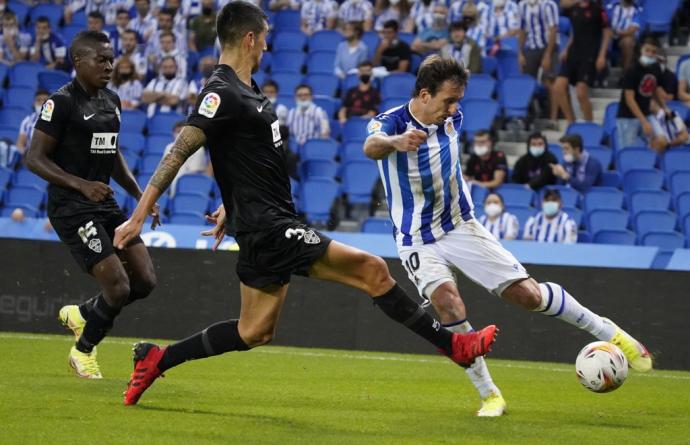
(493, 209)
(272, 100)
(499, 3)
(550, 208)
(536, 151)
(365, 78)
(169, 76)
(646, 60)
(206, 11)
(303, 104)
(426, 2)
(569, 157)
(394, 2)
(481, 150)
(532, 2)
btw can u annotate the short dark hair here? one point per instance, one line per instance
(168, 33)
(650, 40)
(304, 85)
(435, 70)
(167, 11)
(551, 193)
(97, 15)
(357, 27)
(483, 132)
(236, 19)
(131, 31)
(164, 58)
(391, 24)
(86, 40)
(41, 91)
(457, 25)
(575, 140)
(271, 83)
(121, 11)
(43, 19)
(365, 63)
(537, 135)
(9, 15)
(500, 197)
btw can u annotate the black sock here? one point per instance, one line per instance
(397, 305)
(214, 340)
(134, 296)
(85, 307)
(98, 324)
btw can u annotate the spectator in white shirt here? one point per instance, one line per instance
(26, 129)
(48, 48)
(108, 8)
(14, 44)
(501, 224)
(357, 11)
(144, 23)
(307, 120)
(167, 92)
(318, 15)
(130, 49)
(126, 83)
(270, 90)
(168, 48)
(95, 21)
(277, 5)
(669, 128)
(398, 10)
(552, 224)
(165, 24)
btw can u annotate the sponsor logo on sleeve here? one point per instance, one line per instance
(374, 127)
(47, 110)
(209, 105)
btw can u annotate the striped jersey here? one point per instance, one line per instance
(622, 17)
(27, 127)
(536, 21)
(560, 229)
(176, 86)
(129, 91)
(310, 123)
(356, 11)
(672, 126)
(427, 196)
(500, 24)
(505, 226)
(316, 13)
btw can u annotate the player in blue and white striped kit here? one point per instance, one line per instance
(417, 147)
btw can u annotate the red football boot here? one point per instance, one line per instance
(470, 345)
(146, 359)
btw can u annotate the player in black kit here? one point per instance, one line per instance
(75, 149)
(238, 124)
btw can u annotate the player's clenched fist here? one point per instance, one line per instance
(410, 140)
(95, 191)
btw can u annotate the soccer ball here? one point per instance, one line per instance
(601, 367)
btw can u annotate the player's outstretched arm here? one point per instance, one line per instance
(187, 143)
(380, 145)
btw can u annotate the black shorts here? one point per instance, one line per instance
(90, 236)
(270, 257)
(579, 70)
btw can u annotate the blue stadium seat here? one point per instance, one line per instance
(336, 129)
(265, 64)
(636, 179)
(658, 18)
(611, 179)
(289, 41)
(52, 80)
(20, 10)
(676, 160)
(355, 129)
(516, 195)
(12, 117)
(149, 162)
(564, 27)
(5, 177)
(626, 237)
(407, 37)
(397, 85)
(319, 149)
(70, 31)
(132, 160)
(190, 219)
(323, 84)
(606, 219)
(507, 64)
(20, 97)
(156, 144)
(161, 124)
(569, 196)
(583, 237)
(132, 121)
(591, 133)
(478, 194)
(557, 151)
(649, 200)
(358, 180)
(260, 77)
(387, 104)
(610, 120)
(288, 62)
(654, 221)
(352, 151)
(195, 184)
(350, 81)
(286, 20)
(325, 40)
(318, 168)
(321, 62)
(575, 214)
(143, 180)
(522, 213)
(635, 158)
(190, 204)
(602, 154)
(29, 212)
(4, 69)
(24, 177)
(52, 12)
(515, 93)
(25, 74)
(25, 196)
(679, 182)
(681, 204)
(316, 198)
(132, 142)
(484, 111)
(480, 86)
(377, 225)
(666, 241)
(329, 104)
(489, 65)
(9, 132)
(371, 40)
(287, 82)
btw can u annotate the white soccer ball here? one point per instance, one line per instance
(601, 366)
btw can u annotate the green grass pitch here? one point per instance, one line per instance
(278, 395)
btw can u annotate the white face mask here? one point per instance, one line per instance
(550, 208)
(536, 151)
(532, 2)
(481, 150)
(303, 104)
(492, 210)
(569, 157)
(394, 2)
(272, 100)
(646, 60)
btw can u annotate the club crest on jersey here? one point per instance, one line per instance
(374, 126)
(209, 105)
(95, 245)
(47, 110)
(450, 129)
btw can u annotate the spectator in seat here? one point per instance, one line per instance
(307, 120)
(684, 82)
(270, 90)
(167, 92)
(125, 82)
(625, 17)
(361, 11)
(95, 21)
(674, 133)
(552, 224)
(165, 25)
(503, 21)
(202, 28)
(580, 170)
(168, 48)
(486, 167)
(501, 224)
(196, 163)
(48, 47)
(14, 44)
(278, 5)
(362, 100)
(668, 80)
(398, 10)
(392, 53)
(475, 16)
(317, 15)
(434, 37)
(144, 23)
(26, 129)
(351, 51)
(534, 168)
(8, 153)
(131, 50)
(640, 85)
(462, 48)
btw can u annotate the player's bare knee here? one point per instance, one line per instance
(377, 276)
(525, 293)
(258, 337)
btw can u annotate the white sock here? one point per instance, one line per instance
(556, 302)
(478, 373)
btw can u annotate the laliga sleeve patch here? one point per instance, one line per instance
(209, 105)
(374, 126)
(47, 110)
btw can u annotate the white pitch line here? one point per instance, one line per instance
(350, 356)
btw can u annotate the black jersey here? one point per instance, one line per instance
(247, 153)
(86, 129)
